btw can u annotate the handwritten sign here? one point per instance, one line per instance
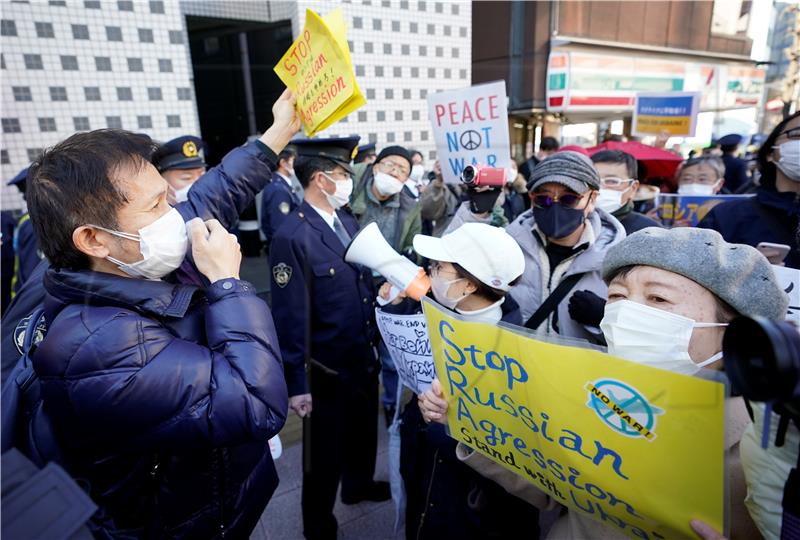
(406, 337)
(470, 127)
(789, 280)
(673, 112)
(636, 448)
(319, 71)
(689, 209)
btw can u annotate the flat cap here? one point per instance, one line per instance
(570, 169)
(186, 152)
(736, 273)
(340, 150)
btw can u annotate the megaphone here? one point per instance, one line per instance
(369, 248)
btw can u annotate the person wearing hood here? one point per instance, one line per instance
(772, 215)
(671, 293)
(181, 162)
(564, 238)
(618, 186)
(472, 269)
(380, 197)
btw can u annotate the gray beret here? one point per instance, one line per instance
(569, 169)
(736, 273)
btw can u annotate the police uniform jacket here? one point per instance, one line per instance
(323, 306)
(278, 200)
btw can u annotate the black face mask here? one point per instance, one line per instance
(557, 221)
(483, 202)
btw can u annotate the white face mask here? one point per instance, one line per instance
(610, 200)
(789, 164)
(652, 337)
(440, 288)
(182, 194)
(697, 189)
(387, 185)
(163, 245)
(340, 197)
(416, 173)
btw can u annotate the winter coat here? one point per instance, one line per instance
(537, 283)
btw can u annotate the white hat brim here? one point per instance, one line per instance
(432, 248)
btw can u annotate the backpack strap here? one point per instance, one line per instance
(552, 301)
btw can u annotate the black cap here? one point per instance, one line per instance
(340, 150)
(21, 177)
(364, 151)
(732, 139)
(395, 151)
(187, 152)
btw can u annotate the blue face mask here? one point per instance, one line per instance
(558, 221)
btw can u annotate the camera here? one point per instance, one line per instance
(762, 360)
(477, 176)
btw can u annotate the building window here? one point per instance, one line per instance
(439, 51)
(454, 52)
(135, 64)
(447, 29)
(165, 65)
(448, 73)
(731, 17)
(423, 135)
(124, 93)
(145, 35)
(398, 115)
(125, 5)
(184, 94)
(91, 93)
(144, 122)
(173, 121)
(4, 160)
(47, 124)
(387, 48)
(405, 50)
(395, 26)
(404, 4)
(431, 29)
(91, 4)
(350, 45)
(34, 153)
(81, 123)
(33, 61)
(69, 63)
(390, 137)
(377, 24)
(58, 93)
(44, 30)
(156, 7)
(431, 73)
(386, 3)
(462, 31)
(381, 116)
(102, 63)
(80, 31)
(114, 122)
(379, 71)
(373, 137)
(154, 94)
(358, 22)
(397, 71)
(176, 37)
(389, 93)
(421, 6)
(439, 7)
(370, 93)
(423, 93)
(368, 47)
(406, 93)
(22, 93)
(113, 33)
(423, 50)
(415, 72)
(413, 27)
(362, 116)
(407, 136)
(8, 28)
(11, 125)
(462, 73)
(414, 114)
(58, 3)
(360, 71)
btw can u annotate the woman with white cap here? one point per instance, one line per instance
(671, 293)
(472, 269)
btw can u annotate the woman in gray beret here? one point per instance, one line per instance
(671, 293)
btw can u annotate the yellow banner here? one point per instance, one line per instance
(639, 449)
(678, 126)
(318, 69)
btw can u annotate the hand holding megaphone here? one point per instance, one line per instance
(369, 248)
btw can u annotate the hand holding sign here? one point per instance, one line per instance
(285, 124)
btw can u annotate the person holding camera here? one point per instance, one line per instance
(671, 293)
(564, 238)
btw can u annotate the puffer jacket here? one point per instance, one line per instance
(537, 283)
(163, 397)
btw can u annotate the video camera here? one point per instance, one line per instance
(477, 176)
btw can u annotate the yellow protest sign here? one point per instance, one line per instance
(318, 69)
(639, 449)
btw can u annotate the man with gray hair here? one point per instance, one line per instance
(564, 238)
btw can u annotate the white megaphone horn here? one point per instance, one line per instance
(369, 248)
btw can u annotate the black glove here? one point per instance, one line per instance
(587, 308)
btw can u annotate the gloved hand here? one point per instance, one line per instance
(587, 308)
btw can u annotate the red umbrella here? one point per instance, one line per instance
(659, 162)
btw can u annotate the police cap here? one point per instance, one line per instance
(340, 150)
(187, 152)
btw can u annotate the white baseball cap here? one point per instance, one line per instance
(488, 253)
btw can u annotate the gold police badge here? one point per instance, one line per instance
(282, 273)
(284, 208)
(189, 149)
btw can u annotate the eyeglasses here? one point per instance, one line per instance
(793, 133)
(341, 175)
(390, 167)
(567, 200)
(702, 179)
(612, 182)
(436, 268)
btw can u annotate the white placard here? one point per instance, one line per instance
(470, 127)
(789, 280)
(406, 337)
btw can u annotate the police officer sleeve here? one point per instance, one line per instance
(158, 391)
(225, 191)
(27, 253)
(290, 303)
(278, 207)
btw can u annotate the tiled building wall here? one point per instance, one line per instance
(77, 65)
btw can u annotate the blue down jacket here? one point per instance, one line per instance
(163, 397)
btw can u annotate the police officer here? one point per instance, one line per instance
(324, 315)
(736, 172)
(26, 246)
(181, 162)
(281, 196)
(365, 154)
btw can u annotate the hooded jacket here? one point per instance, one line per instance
(537, 281)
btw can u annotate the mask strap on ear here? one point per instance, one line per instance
(709, 325)
(710, 360)
(127, 236)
